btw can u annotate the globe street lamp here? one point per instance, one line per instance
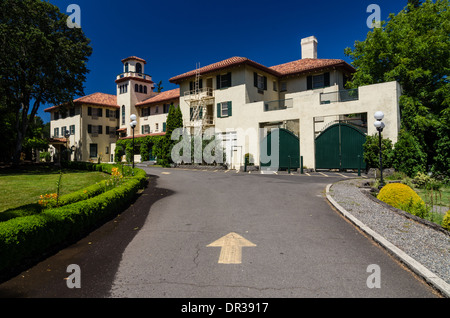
(133, 124)
(379, 125)
(67, 135)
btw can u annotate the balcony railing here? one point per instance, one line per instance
(133, 74)
(278, 104)
(339, 96)
(201, 93)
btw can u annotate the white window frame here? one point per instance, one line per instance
(224, 109)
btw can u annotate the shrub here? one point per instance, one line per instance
(408, 155)
(446, 221)
(31, 236)
(372, 152)
(424, 181)
(403, 197)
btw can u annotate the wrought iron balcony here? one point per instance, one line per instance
(278, 104)
(339, 96)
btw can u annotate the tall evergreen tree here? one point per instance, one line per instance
(174, 121)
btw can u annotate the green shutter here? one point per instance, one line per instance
(255, 79)
(164, 127)
(265, 83)
(326, 79)
(229, 109)
(309, 83)
(219, 111)
(218, 82)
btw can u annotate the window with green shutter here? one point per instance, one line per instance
(224, 109)
(260, 82)
(223, 81)
(318, 81)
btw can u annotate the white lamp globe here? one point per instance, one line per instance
(379, 115)
(133, 124)
(377, 124)
(133, 117)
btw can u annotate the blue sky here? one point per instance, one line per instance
(175, 35)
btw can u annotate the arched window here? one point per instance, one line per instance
(123, 115)
(141, 89)
(126, 67)
(136, 88)
(145, 89)
(138, 68)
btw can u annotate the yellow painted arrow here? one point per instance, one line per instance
(232, 244)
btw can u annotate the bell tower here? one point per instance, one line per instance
(133, 86)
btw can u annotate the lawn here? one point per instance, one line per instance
(24, 186)
(441, 197)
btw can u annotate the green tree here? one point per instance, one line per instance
(159, 87)
(413, 48)
(43, 61)
(36, 137)
(408, 156)
(165, 145)
(372, 152)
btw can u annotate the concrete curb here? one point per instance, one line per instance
(415, 266)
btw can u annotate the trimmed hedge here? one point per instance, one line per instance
(30, 237)
(82, 194)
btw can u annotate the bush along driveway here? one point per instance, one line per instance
(24, 240)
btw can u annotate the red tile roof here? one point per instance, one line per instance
(99, 99)
(161, 97)
(233, 61)
(134, 58)
(295, 67)
(309, 65)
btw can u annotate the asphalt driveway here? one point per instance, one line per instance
(222, 234)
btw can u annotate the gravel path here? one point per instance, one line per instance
(426, 245)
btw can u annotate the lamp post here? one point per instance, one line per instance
(67, 135)
(133, 124)
(379, 125)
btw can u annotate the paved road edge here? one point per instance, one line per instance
(415, 266)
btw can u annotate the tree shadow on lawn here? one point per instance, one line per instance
(37, 169)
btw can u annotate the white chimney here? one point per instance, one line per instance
(309, 48)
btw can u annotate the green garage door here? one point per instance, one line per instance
(289, 149)
(338, 147)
